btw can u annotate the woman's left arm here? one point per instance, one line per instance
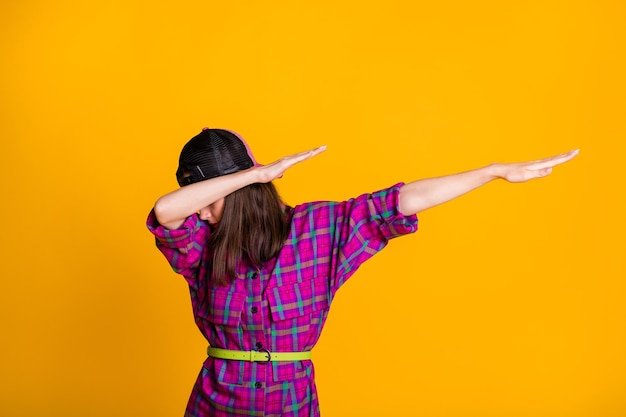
(423, 194)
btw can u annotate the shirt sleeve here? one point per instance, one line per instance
(183, 247)
(364, 226)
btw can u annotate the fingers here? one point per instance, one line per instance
(277, 169)
(302, 156)
(310, 153)
(319, 149)
(553, 161)
(525, 171)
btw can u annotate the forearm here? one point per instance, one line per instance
(173, 208)
(426, 193)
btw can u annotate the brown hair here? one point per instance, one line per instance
(253, 227)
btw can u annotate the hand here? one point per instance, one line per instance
(524, 171)
(267, 173)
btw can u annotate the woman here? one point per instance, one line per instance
(262, 275)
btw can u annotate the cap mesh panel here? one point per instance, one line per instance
(210, 154)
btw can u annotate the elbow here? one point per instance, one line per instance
(161, 212)
(166, 216)
(407, 204)
(167, 213)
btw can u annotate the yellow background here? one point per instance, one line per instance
(508, 301)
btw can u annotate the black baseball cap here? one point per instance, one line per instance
(213, 153)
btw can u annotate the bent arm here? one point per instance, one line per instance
(173, 208)
(423, 194)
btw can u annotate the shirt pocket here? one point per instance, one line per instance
(298, 311)
(298, 299)
(223, 307)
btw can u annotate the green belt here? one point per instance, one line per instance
(262, 355)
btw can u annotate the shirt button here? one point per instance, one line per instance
(255, 275)
(258, 385)
(259, 345)
(254, 310)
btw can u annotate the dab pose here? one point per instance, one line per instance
(262, 274)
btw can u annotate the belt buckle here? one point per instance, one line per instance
(269, 356)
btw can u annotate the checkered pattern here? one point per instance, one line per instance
(281, 305)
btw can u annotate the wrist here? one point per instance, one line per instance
(493, 171)
(261, 174)
(250, 176)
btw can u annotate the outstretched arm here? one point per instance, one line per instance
(423, 194)
(173, 208)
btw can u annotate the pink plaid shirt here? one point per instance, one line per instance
(281, 305)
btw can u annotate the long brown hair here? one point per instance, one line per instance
(253, 227)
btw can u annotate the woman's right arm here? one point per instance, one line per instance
(173, 208)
